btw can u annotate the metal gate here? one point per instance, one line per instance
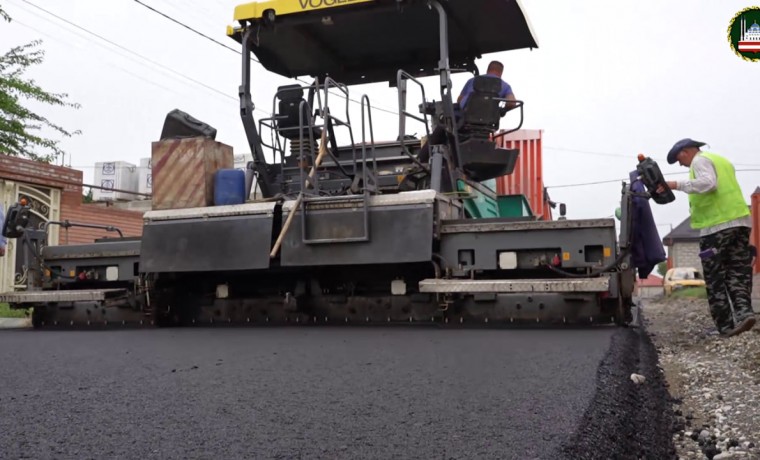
(46, 206)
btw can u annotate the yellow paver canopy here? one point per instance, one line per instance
(363, 41)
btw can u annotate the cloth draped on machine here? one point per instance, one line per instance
(646, 247)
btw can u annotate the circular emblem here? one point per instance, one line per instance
(744, 33)
(109, 168)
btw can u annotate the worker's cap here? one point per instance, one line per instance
(680, 145)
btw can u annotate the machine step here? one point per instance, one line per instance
(32, 297)
(444, 286)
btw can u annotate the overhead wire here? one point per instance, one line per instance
(227, 96)
(191, 29)
(207, 37)
(611, 181)
(624, 155)
(134, 53)
(116, 66)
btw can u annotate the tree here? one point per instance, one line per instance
(662, 267)
(20, 127)
(88, 197)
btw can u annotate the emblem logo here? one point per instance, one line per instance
(744, 34)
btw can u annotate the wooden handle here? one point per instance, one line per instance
(289, 220)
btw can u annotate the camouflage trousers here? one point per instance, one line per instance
(728, 276)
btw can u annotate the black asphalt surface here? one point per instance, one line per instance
(307, 393)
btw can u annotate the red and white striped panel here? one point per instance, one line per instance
(183, 171)
(749, 47)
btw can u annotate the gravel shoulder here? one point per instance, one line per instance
(714, 381)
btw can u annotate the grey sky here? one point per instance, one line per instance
(610, 79)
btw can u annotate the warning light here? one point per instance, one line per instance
(555, 260)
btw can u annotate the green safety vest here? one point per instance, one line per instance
(721, 205)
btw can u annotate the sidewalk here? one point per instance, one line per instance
(15, 323)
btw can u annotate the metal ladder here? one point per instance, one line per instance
(363, 182)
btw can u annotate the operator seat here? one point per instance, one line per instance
(481, 115)
(288, 125)
(288, 120)
(481, 158)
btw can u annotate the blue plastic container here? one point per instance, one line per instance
(229, 187)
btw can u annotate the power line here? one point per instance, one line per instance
(611, 181)
(588, 152)
(218, 92)
(112, 43)
(622, 155)
(197, 32)
(61, 40)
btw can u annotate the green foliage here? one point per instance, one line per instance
(662, 267)
(88, 197)
(20, 127)
(6, 312)
(691, 293)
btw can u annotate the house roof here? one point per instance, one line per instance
(683, 232)
(651, 280)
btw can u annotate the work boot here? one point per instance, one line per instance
(743, 326)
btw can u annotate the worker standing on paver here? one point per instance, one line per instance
(721, 215)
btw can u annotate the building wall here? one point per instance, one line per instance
(686, 254)
(55, 194)
(129, 222)
(69, 182)
(33, 172)
(649, 292)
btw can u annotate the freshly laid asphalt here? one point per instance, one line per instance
(311, 393)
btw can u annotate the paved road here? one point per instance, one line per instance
(295, 392)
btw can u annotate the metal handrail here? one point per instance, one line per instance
(401, 82)
(330, 119)
(520, 106)
(368, 106)
(66, 224)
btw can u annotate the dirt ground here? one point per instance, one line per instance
(714, 381)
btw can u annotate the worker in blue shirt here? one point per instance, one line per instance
(438, 136)
(495, 70)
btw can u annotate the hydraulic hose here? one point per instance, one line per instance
(593, 274)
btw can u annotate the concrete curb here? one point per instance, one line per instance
(15, 323)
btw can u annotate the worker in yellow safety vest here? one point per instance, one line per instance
(718, 210)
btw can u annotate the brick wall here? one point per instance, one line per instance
(686, 254)
(69, 181)
(33, 172)
(129, 222)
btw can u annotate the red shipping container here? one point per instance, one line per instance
(527, 178)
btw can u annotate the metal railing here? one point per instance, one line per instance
(401, 83)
